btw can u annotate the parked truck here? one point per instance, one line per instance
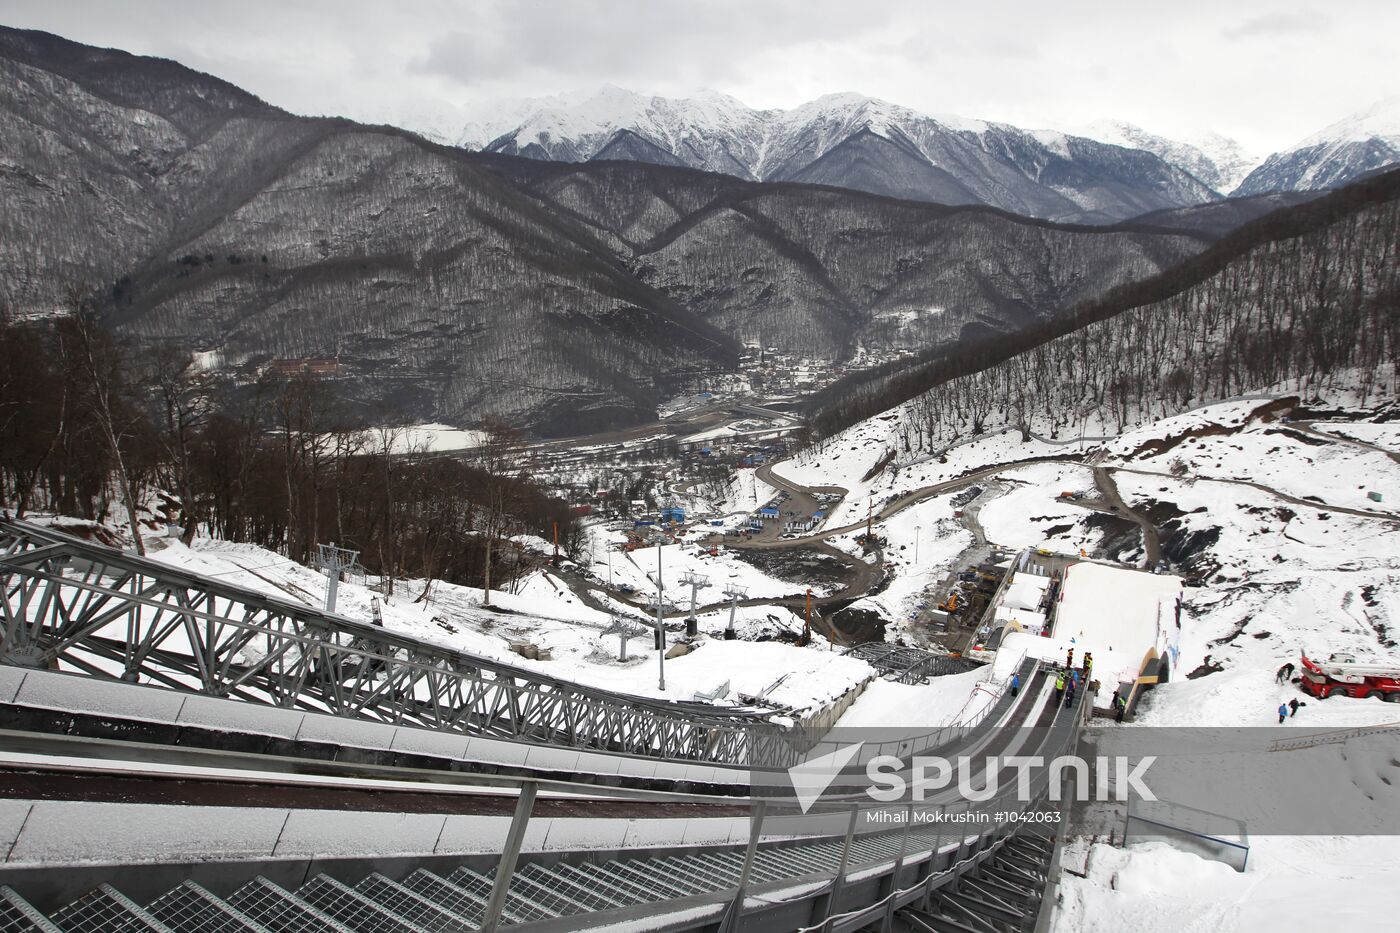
(1345, 675)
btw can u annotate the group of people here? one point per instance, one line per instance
(1286, 710)
(1066, 684)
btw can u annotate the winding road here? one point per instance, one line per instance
(803, 502)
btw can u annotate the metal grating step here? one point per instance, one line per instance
(544, 894)
(278, 909)
(106, 910)
(410, 905)
(794, 861)
(718, 876)
(644, 873)
(18, 916)
(626, 878)
(723, 873)
(767, 872)
(191, 909)
(580, 884)
(561, 878)
(352, 908)
(463, 901)
(518, 908)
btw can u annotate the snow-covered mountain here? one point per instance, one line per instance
(850, 140)
(1217, 160)
(1361, 143)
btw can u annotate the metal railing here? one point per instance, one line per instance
(773, 748)
(827, 883)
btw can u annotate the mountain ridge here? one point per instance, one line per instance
(1334, 155)
(568, 297)
(930, 158)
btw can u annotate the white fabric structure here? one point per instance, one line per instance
(1025, 591)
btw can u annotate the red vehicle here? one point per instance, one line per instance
(1343, 675)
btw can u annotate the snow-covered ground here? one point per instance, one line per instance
(1032, 514)
(1290, 579)
(1152, 887)
(545, 614)
(915, 568)
(1270, 454)
(421, 438)
(745, 493)
(638, 569)
(846, 459)
(1279, 578)
(1383, 435)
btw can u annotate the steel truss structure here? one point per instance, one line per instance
(909, 665)
(83, 607)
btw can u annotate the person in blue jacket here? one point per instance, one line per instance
(1015, 684)
(1282, 712)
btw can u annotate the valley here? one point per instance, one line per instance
(566, 510)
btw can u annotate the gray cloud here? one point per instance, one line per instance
(622, 41)
(1172, 69)
(1273, 25)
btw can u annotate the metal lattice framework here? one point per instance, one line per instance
(909, 665)
(82, 607)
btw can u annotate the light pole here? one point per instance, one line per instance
(660, 625)
(917, 529)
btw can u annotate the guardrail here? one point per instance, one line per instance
(1199, 831)
(822, 880)
(775, 749)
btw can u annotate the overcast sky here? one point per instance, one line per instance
(1267, 73)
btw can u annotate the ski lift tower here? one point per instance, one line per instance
(334, 561)
(735, 593)
(626, 630)
(694, 581)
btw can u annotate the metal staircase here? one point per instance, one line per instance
(429, 902)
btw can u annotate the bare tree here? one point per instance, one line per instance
(182, 402)
(100, 364)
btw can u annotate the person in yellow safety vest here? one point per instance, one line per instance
(1059, 687)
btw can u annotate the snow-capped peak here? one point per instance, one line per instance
(1217, 160)
(827, 141)
(1380, 120)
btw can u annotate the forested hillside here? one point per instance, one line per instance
(1298, 300)
(449, 285)
(91, 428)
(820, 270)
